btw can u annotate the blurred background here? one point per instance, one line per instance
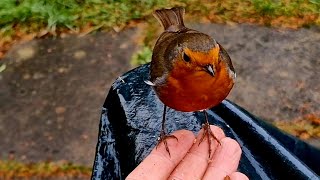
(60, 57)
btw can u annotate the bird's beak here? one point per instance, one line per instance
(209, 69)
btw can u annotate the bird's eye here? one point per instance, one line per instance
(186, 58)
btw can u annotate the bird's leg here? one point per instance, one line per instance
(207, 132)
(163, 135)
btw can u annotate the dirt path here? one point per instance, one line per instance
(52, 90)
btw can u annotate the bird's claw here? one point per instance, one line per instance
(207, 133)
(163, 138)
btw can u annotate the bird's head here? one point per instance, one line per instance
(195, 54)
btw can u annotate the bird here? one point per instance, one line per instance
(189, 71)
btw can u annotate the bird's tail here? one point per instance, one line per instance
(170, 19)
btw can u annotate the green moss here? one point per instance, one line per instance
(142, 56)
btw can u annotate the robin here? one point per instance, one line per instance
(189, 71)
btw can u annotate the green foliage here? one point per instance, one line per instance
(142, 56)
(316, 7)
(51, 13)
(266, 7)
(109, 13)
(73, 13)
(315, 2)
(285, 8)
(117, 12)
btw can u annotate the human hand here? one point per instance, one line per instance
(189, 160)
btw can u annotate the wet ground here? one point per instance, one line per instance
(52, 90)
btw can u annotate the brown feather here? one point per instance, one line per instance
(171, 19)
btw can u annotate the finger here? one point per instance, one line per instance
(238, 176)
(194, 164)
(158, 164)
(225, 160)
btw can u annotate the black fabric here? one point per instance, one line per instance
(131, 121)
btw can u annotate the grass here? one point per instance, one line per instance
(11, 169)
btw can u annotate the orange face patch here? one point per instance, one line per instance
(203, 58)
(195, 68)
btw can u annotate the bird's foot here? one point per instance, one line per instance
(163, 138)
(208, 133)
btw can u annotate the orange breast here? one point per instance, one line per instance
(197, 90)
